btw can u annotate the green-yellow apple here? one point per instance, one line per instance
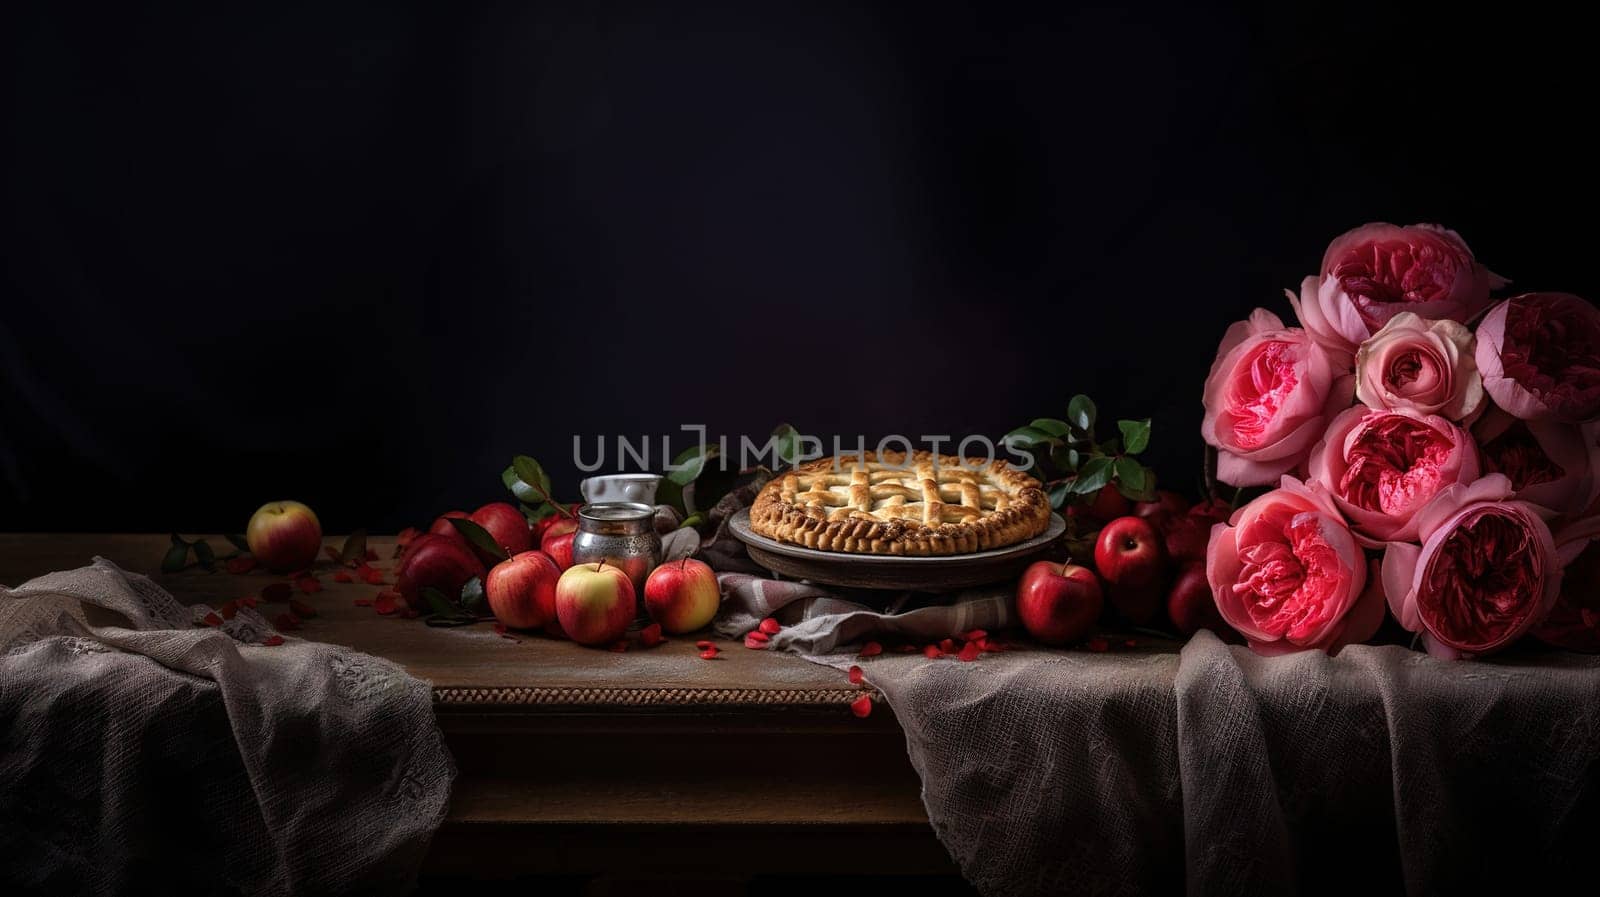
(595, 603)
(682, 595)
(284, 536)
(519, 589)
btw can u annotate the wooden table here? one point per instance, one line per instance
(567, 754)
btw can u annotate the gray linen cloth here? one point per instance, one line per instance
(1214, 771)
(140, 753)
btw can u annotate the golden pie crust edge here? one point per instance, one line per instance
(1027, 515)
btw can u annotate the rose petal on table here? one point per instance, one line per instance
(855, 675)
(871, 649)
(862, 706)
(769, 626)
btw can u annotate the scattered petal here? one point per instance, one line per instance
(871, 649)
(704, 644)
(301, 609)
(363, 602)
(243, 563)
(212, 619)
(708, 654)
(1098, 645)
(969, 652)
(228, 609)
(855, 675)
(1131, 643)
(862, 706)
(385, 603)
(278, 591)
(753, 643)
(343, 576)
(308, 584)
(948, 645)
(249, 601)
(758, 635)
(619, 646)
(908, 648)
(370, 575)
(976, 635)
(650, 636)
(932, 652)
(272, 641)
(769, 626)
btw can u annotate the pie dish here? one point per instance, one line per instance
(891, 503)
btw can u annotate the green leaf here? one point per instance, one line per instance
(1135, 481)
(439, 604)
(479, 537)
(1064, 458)
(1135, 435)
(355, 548)
(536, 514)
(1051, 425)
(527, 480)
(523, 492)
(689, 463)
(1027, 437)
(1081, 412)
(788, 443)
(177, 556)
(239, 542)
(1059, 493)
(472, 596)
(204, 554)
(1130, 474)
(1093, 476)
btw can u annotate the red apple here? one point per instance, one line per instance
(1184, 537)
(1167, 503)
(1129, 552)
(1214, 510)
(442, 563)
(1058, 603)
(1108, 503)
(552, 526)
(1191, 605)
(682, 596)
(506, 525)
(284, 536)
(595, 603)
(443, 527)
(560, 548)
(519, 589)
(1131, 559)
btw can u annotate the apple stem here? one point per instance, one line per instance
(598, 565)
(683, 564)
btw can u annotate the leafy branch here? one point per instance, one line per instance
(1081, 464)
(531, 486)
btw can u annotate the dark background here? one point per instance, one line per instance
(359, 254)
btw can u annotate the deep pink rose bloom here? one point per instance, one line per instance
(1487, 571)
(1376, 271)
(1426, 366)
(1383, 467)
(1288, 574)
(1574, 622)
(1551, 464)
(1539, 354)
(1268, 399)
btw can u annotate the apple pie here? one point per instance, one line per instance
(891, 503)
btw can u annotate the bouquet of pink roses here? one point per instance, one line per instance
(1433, 451)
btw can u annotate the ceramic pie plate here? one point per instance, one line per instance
(939, 573)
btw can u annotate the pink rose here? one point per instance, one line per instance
(1539, 354)
(1376, 271)
(1426, 366)
(1486, 573)
(1268, 399)
(1289, 576)
(1551, 464)
(1382, 467)
(1574, 622)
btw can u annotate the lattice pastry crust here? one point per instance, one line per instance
(892, 506)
